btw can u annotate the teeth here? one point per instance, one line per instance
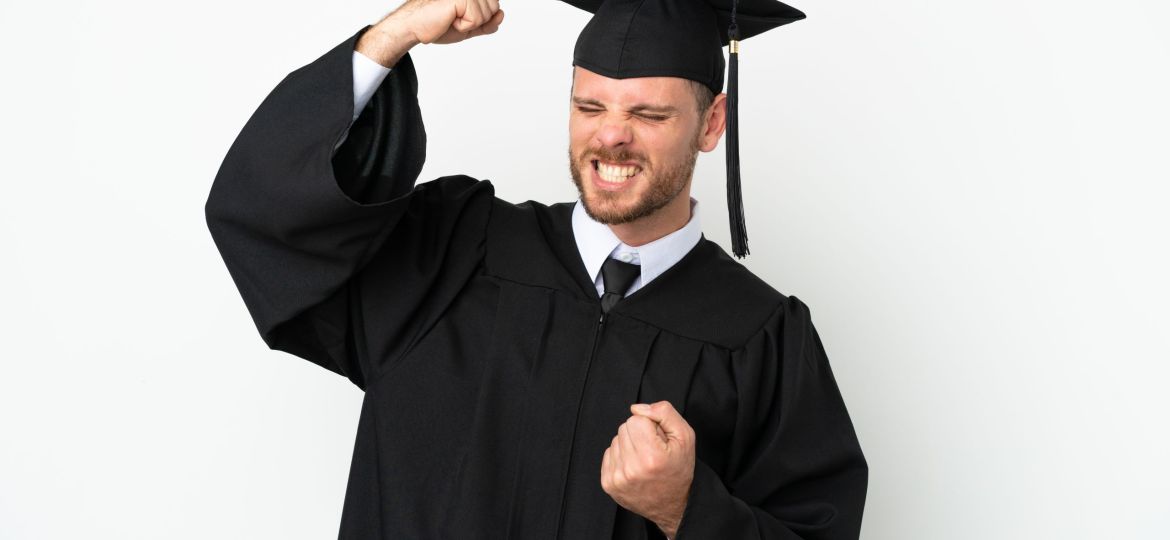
(611, 173)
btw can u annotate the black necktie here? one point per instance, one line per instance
(616, 278)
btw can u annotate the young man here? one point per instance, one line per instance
(588, 370)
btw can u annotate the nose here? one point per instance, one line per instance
(613, 133)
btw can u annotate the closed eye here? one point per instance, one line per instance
(643, 116)
(647, 113)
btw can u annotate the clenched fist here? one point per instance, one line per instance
(650, 463)
(450, 21)
(428, 21)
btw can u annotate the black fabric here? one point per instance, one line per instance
(670, 38)
(491, 387)
(616, 279)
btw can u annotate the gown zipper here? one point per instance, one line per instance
(580, 400)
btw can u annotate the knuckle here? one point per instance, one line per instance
(632, 470)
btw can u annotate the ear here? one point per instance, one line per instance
(714, 122)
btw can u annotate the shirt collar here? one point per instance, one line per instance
(596, 242)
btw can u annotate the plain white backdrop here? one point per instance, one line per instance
(972, 198)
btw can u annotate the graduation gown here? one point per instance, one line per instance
(493, 384)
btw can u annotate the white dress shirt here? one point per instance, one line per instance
(367, 77)
(595, 241)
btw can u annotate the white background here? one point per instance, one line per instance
(972, 197)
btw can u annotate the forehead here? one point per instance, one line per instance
(635, 90)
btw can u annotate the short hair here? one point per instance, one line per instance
(704, 96)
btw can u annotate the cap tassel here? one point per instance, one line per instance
(734, 190)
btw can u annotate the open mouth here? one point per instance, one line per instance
(616, 174)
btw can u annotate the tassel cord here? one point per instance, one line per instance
(735, 211)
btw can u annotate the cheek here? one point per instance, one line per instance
(668, 145)
(579, 134)
(653, 145)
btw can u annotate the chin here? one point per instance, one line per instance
(621, 209)
(606, 211)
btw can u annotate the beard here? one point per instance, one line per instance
(663, 185)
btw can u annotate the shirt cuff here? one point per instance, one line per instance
(367, 77)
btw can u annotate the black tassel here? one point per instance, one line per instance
(734, 189)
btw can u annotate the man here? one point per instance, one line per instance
(588, 370)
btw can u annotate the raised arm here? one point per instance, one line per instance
(297, 212)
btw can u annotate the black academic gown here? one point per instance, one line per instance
(493, 384)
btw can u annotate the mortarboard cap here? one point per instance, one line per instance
(681, 38)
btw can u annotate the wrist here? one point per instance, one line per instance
(669, 522)
(668, 529)
(386, 42)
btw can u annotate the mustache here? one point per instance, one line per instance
(620, 155)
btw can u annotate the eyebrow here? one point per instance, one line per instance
(639, 108)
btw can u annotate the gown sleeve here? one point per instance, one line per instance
(795, 469)
(297, 217)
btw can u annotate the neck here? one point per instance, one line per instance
(666, 220)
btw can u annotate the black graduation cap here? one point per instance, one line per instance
(681, 38)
